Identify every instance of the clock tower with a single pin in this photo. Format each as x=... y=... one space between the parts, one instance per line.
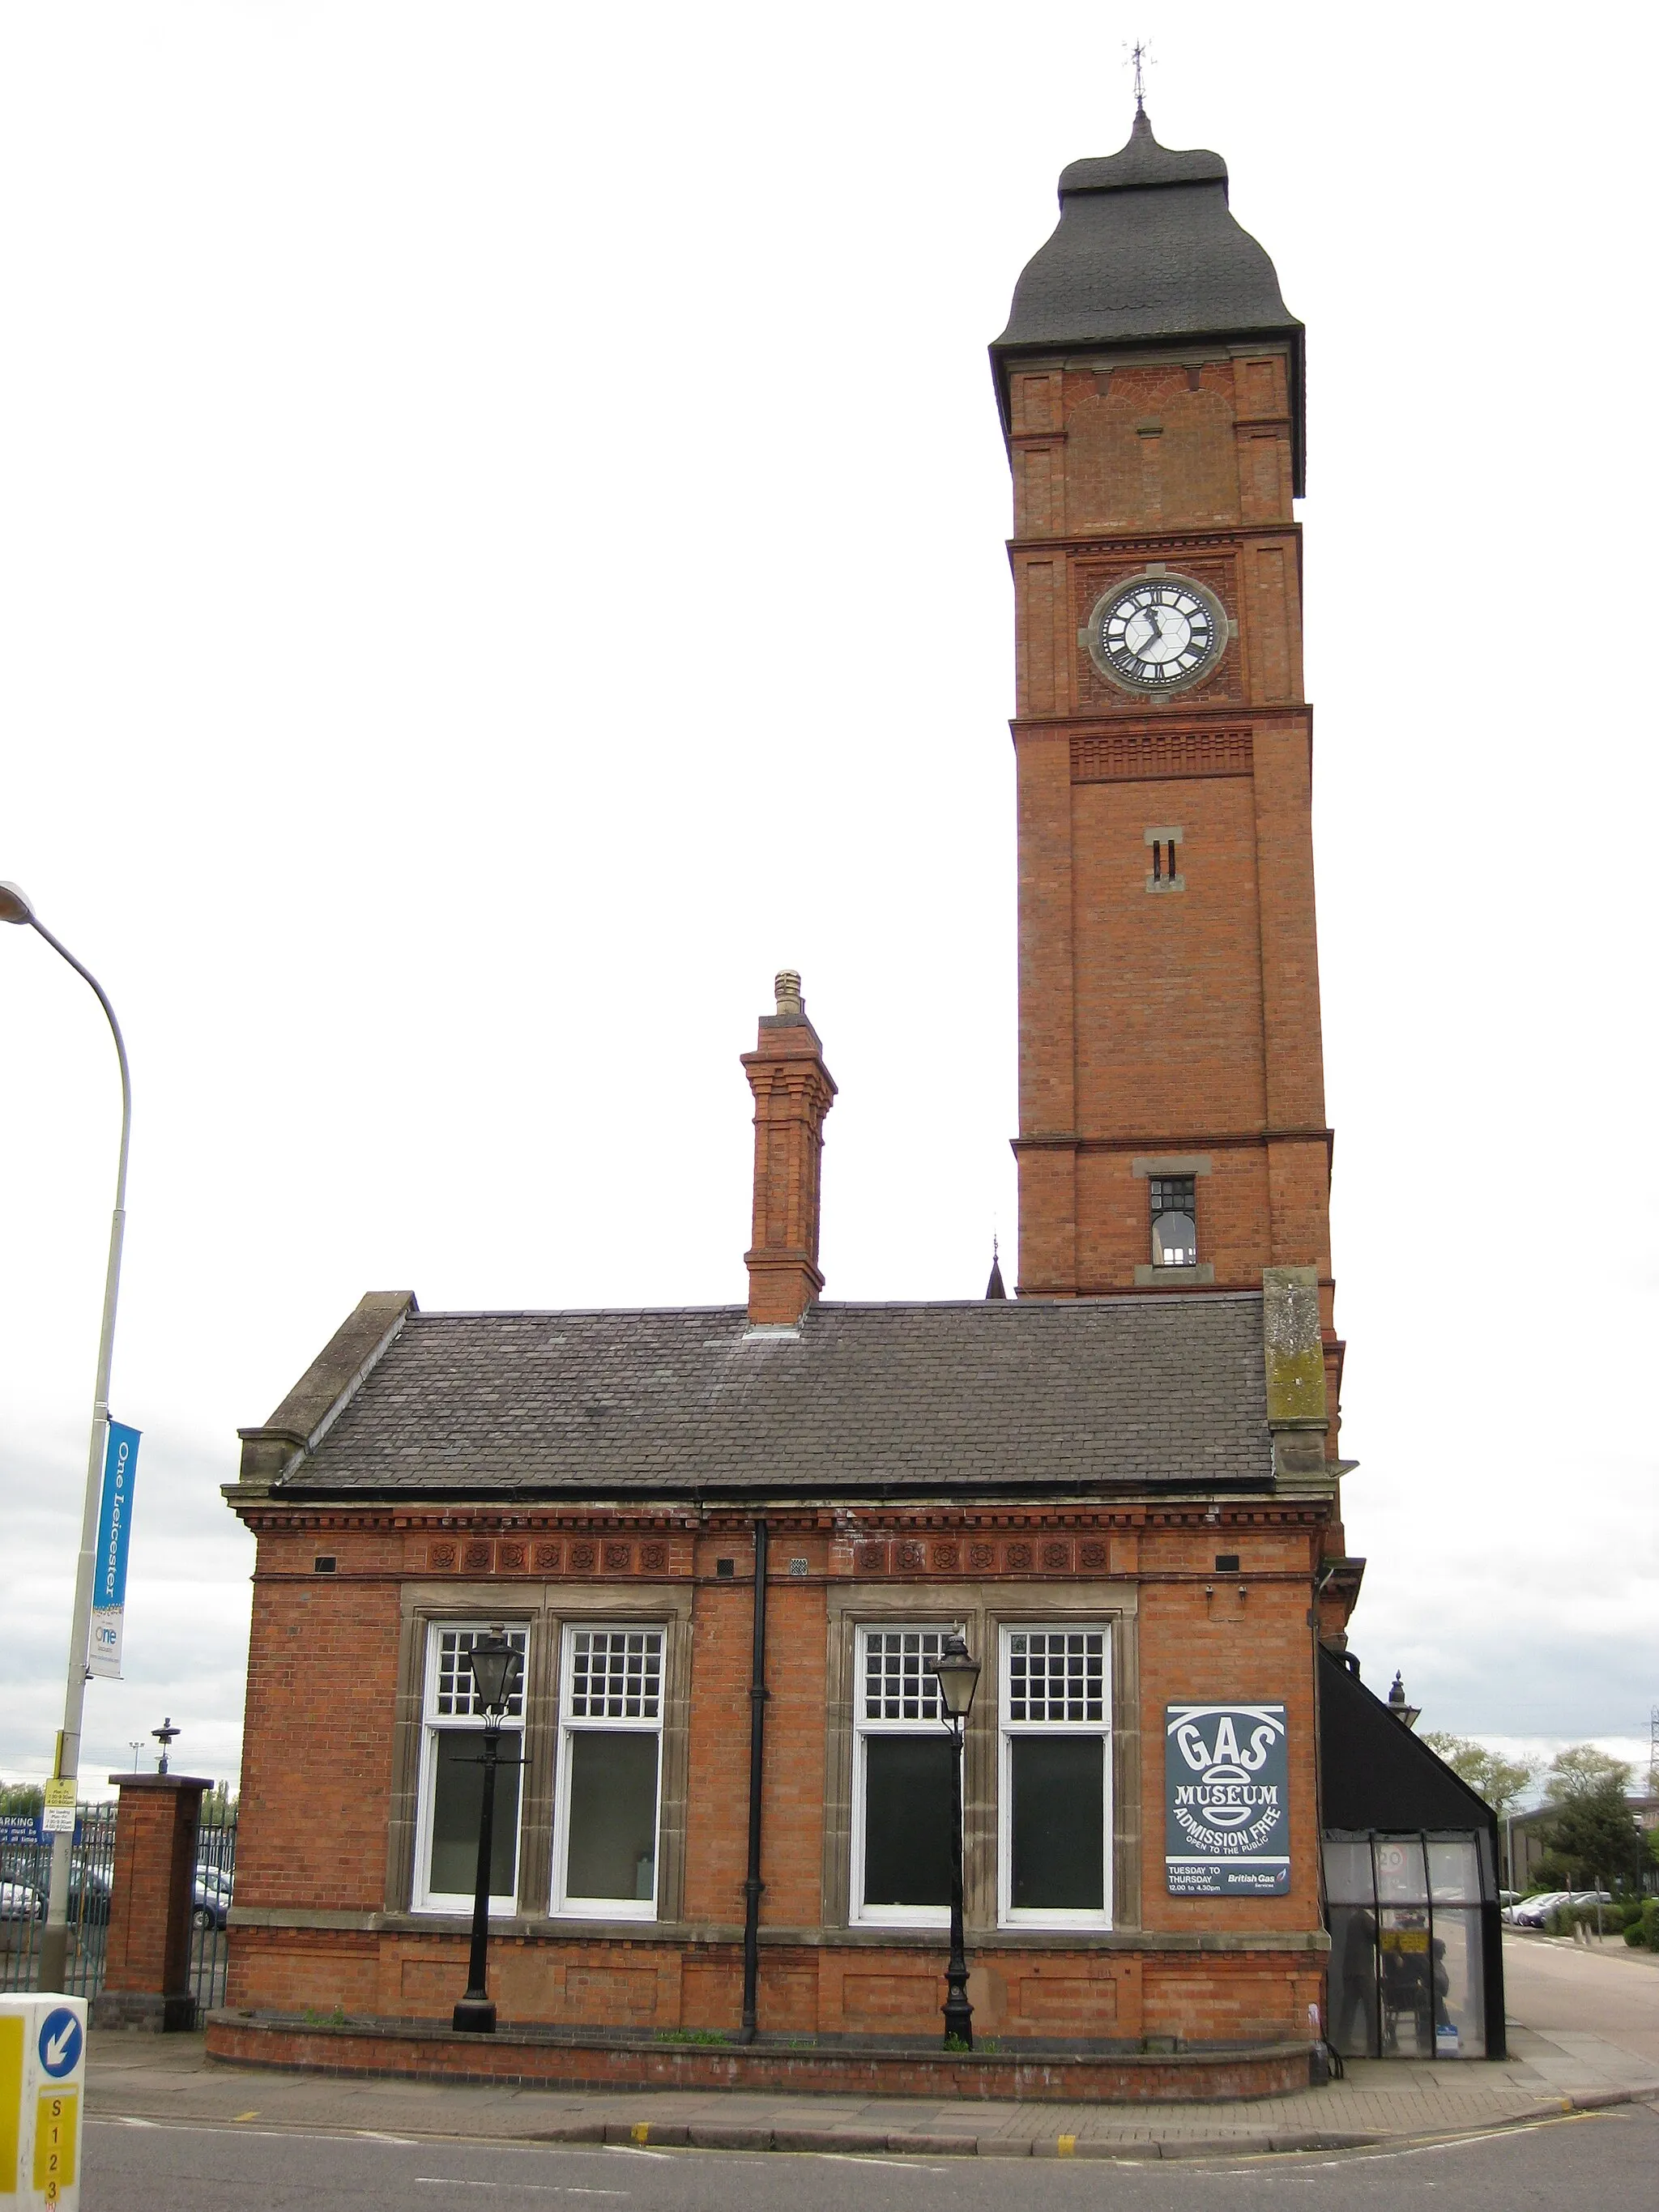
x=1172 y=1132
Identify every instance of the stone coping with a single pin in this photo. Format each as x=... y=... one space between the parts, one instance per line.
x=551 y=2057
x=676 y=1933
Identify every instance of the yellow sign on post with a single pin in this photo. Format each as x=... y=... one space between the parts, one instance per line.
x=11 y=2101
x=57 y=2139
x=57 y=1814
x=43 y=2070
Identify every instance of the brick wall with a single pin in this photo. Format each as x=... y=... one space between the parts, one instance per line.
x=1183 y=1020
x=317 y=1852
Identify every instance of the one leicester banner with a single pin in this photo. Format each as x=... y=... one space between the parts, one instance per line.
x=1226 y=1800
x=109 y=1587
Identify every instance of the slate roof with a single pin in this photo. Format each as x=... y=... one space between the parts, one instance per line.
x=1145 y=252
x=867 y=1399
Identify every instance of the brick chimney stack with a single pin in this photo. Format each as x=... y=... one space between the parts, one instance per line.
x=793 y=1090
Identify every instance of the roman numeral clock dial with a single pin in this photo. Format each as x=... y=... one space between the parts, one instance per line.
x=1157 y=633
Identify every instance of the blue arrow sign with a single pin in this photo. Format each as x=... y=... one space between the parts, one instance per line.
x=60 y=2043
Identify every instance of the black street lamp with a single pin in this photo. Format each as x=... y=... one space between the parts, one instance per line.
x=497 y=1670
x=958 y=1678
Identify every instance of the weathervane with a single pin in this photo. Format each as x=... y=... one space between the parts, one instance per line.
x=1140 y=55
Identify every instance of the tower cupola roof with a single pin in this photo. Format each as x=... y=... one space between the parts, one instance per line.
x=1147 y=254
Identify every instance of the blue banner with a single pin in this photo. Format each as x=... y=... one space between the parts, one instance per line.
x=109 y=1587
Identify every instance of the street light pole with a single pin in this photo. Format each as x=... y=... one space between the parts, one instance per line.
x=14 y=907
x=958 y=1674
x=958 y=2013
x=497 y=1674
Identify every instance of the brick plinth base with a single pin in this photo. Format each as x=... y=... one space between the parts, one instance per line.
x=541 y=2058
x=143 y=2008
x=152 y=1897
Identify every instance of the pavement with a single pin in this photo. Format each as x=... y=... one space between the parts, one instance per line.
x=1584 y=2036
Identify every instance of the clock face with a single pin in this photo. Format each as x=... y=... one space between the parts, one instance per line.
x=1158 y=633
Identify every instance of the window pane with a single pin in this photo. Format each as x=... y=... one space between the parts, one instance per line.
x=616 y=1674
x=1454 y=1963
x=1454 y=1871
x=1401 y=1878
x=1058 y=1824
x=612 y=1849
x=898 y=1683
x=1408 y=1992
x=456 y=1692
x=1348 y=1870
x=907 y=1820
x=1175 y=1240
x=1057 y=1675
x=457 y=1805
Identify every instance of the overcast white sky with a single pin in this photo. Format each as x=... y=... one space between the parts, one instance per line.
x=501 y=520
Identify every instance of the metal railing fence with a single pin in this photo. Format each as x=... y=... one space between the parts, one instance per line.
x=25 y=1874
x=24 y=1877
x=216 y=1872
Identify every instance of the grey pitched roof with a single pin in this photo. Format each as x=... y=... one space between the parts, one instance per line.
x=866 y=1399
x=1147 y=252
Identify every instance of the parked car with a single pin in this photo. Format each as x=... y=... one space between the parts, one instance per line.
x=1529 y=1912
x=20 y=1900
x=88 y=1897
x=212 y=1896
x=1533 y=1911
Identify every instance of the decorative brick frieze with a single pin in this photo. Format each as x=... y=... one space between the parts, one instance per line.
x=1157 y=755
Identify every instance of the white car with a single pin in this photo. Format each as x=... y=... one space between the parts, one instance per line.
x=1532 y=1912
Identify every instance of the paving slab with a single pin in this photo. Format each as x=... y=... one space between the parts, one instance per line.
x=169 y=2080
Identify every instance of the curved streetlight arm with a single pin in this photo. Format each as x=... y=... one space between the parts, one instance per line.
x=54 y=1936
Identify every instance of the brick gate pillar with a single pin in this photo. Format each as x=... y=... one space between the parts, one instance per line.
x=152 y=1903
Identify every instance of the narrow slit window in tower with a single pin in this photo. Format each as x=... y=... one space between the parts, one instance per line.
x=1175 y=1221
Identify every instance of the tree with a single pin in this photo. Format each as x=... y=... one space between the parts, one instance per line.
x=1500 y=1781
x=21 y=1800
x=1594 y=1831
x=1582 y=1770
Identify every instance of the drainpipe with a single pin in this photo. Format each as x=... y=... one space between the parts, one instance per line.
x=752 y=1883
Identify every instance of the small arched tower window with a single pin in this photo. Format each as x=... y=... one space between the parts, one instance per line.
x=1175 y=1221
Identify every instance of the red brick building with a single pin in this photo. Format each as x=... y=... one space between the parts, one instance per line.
x=1122 y=1487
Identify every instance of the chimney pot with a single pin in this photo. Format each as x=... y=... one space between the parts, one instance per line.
x=786 y=988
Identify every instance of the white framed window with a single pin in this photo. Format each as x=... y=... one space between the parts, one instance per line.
x=901 y=1826
x=608 y=1795
x=451 y=1784
x=1054 y=1778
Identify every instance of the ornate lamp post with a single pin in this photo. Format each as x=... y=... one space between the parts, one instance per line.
x=497 y=1670
x=958 y=1678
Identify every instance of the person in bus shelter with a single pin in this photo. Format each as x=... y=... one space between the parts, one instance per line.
x=1405 y=1980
